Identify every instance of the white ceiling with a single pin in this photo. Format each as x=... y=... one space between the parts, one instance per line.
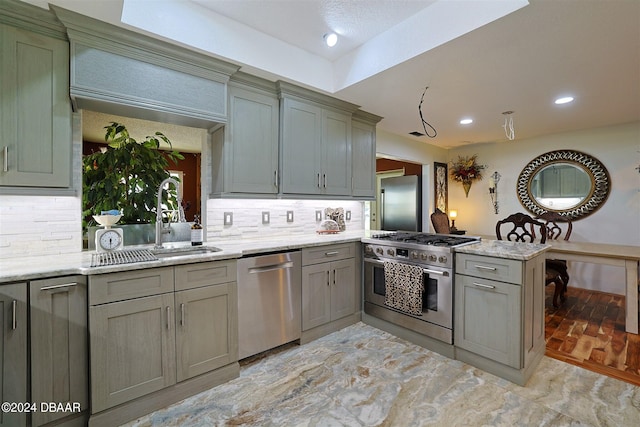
x=389 y=52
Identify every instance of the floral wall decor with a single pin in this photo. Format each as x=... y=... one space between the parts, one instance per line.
x=466 y=170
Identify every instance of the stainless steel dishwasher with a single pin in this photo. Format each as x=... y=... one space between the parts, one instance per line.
x=269 y=301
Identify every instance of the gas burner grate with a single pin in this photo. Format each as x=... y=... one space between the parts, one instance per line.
x=127 y=256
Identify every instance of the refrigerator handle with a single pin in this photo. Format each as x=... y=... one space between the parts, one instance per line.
x=381 y=209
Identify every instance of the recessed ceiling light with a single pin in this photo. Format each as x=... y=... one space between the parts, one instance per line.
x=564 y=100
x=466 y=121
x=331 y=39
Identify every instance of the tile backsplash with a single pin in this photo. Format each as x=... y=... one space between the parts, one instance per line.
x=39 y=225
x=285 y=217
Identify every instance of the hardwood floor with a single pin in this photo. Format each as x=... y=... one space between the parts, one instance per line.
x=588 y=331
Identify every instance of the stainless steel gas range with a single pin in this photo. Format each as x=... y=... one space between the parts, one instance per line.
x=432 y=255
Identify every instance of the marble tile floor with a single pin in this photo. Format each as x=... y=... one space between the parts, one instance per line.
x=361 y=376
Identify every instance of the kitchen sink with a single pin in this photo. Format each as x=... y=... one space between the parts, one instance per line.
x=178 y=251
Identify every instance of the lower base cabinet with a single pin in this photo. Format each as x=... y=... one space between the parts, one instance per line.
x=13 y=351
x=148 y=343
x=329 y=285
x=59 y=360
x=499 y=315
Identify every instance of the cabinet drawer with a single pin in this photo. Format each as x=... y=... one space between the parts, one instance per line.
x=104 y=288
x=328 y=253
x=191 y=276
x=504 y=270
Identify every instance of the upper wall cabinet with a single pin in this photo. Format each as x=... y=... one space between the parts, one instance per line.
x=35 y=118
x=315 y=143
x=363 y=154
x=245 y=151
x=114 y=70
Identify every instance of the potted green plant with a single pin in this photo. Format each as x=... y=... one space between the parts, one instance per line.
x=126 y=177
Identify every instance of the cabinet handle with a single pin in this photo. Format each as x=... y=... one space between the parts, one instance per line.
x=318 y=180
x=482 y=285
x=331 y=253
x=328 y=278
x=5 y=160
x=275 y=178
x=168 y=318
x=484 y=267
x=54 y=287
x=182 y=314
x=324 y=178
x=334 y=277
x=14 y=309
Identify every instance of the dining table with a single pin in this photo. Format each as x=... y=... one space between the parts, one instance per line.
x=623 y=256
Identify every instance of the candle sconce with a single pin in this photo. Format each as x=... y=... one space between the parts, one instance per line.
x=493 y=190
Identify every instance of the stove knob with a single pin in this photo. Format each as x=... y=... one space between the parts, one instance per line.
x=414 y=255
x=433 y=258
x=442 y=259
x=423 y=256
x=368 y=249
x=379 y=251
x=390 y=252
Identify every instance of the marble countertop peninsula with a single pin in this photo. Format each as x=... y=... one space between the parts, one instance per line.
x=504 y=249
x=38 y=267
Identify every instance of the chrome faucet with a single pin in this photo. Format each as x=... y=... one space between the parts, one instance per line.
x=181 y=217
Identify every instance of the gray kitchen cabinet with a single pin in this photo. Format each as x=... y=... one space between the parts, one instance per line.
x=206 y=317
x=160 y=334
x=132 y=349
x=499 y=314
x=59 y=352
x=35 y=118
x=13 y=348
x=328 y=284
x=315 y=143
x=363 y=155
x=245 y=159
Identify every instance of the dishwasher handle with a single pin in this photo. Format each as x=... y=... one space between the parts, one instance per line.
x=273 y=267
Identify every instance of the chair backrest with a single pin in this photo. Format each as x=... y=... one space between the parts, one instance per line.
x=521 y=226
x=440 y=222
x=555 y=224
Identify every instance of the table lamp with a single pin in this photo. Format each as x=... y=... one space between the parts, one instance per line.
x=453 y=214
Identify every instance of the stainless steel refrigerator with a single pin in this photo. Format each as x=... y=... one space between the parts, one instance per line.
x=401 y=203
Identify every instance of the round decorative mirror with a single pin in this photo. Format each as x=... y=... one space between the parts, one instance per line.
x=569 y=182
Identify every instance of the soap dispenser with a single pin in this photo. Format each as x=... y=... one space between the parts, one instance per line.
x=196 y=232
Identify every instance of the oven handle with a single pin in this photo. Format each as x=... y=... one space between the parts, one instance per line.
x=426 y=270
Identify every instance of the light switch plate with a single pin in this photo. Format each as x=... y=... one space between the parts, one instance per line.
x=318 y=215
x=265 y=217
x=289 y=216
x=228 y=218
x=348 y=216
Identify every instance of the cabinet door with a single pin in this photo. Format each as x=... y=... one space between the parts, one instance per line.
x=363 y=152
x=132 y=349
x=252 y=145
x=13 y=350
x=336 y=140
x=206 y=329
x=59 y=365
x=316 y=296
x=343 y=288
x=488 y=319
x=35 y=118
x=301 y=148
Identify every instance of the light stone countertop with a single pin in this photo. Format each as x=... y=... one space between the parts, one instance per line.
x=43 y=266
x=504 y=249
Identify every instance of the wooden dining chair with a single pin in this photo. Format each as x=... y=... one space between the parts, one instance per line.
x=440 y=222
x=522 y=226
x=558 y=226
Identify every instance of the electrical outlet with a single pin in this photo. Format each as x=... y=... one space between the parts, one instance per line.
x=348 y=216
x=289 y=216
x=228 y=218
x=318 y=215
x=265 y=217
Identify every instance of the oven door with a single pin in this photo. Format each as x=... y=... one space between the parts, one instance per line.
x=437 y=297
